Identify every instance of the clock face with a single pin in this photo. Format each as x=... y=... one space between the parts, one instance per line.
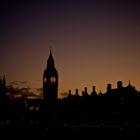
x=53 y=79
x=45 y=80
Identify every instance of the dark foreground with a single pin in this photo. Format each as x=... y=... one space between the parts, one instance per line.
x=43 y=130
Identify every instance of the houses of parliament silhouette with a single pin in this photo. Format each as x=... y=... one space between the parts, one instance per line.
x=115 y=113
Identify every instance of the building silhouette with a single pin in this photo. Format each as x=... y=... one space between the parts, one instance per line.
x=50 y=82
x=115 y=112
x=50 y=92
x=2 y=85
x=2 y=89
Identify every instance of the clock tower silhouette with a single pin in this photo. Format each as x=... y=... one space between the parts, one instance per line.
x=50 y=82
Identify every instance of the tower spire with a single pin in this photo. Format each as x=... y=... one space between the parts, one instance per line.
x=51 y=50
x=4 y=80
x=50 y=56
x=0 y=80
x=50 y=81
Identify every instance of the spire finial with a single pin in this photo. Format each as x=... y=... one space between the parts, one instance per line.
x=4 y=79
x=50 y=56
x=0 y=79
x=50 y=49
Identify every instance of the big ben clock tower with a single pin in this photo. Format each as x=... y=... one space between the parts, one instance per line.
x=50 y=82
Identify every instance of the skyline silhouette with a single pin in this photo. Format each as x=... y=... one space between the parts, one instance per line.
x=18 y=88
x=17 y=91
x=114 y=113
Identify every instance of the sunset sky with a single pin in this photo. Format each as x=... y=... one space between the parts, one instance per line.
x=93 y=42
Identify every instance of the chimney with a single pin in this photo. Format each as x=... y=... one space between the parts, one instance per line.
x=109 y=87
x=93 y=88
x=76 y=91
x=69 y=92
x=119 y=84
x=85 y=89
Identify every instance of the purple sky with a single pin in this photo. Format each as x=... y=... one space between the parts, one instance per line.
x=93 y=42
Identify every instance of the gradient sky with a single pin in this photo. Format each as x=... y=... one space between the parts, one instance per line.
x=93 y=42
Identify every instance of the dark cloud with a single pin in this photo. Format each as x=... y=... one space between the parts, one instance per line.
x=39 y=89
x=14 y=83
x=15 y=91
x=18 y=83
x=23 y=82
